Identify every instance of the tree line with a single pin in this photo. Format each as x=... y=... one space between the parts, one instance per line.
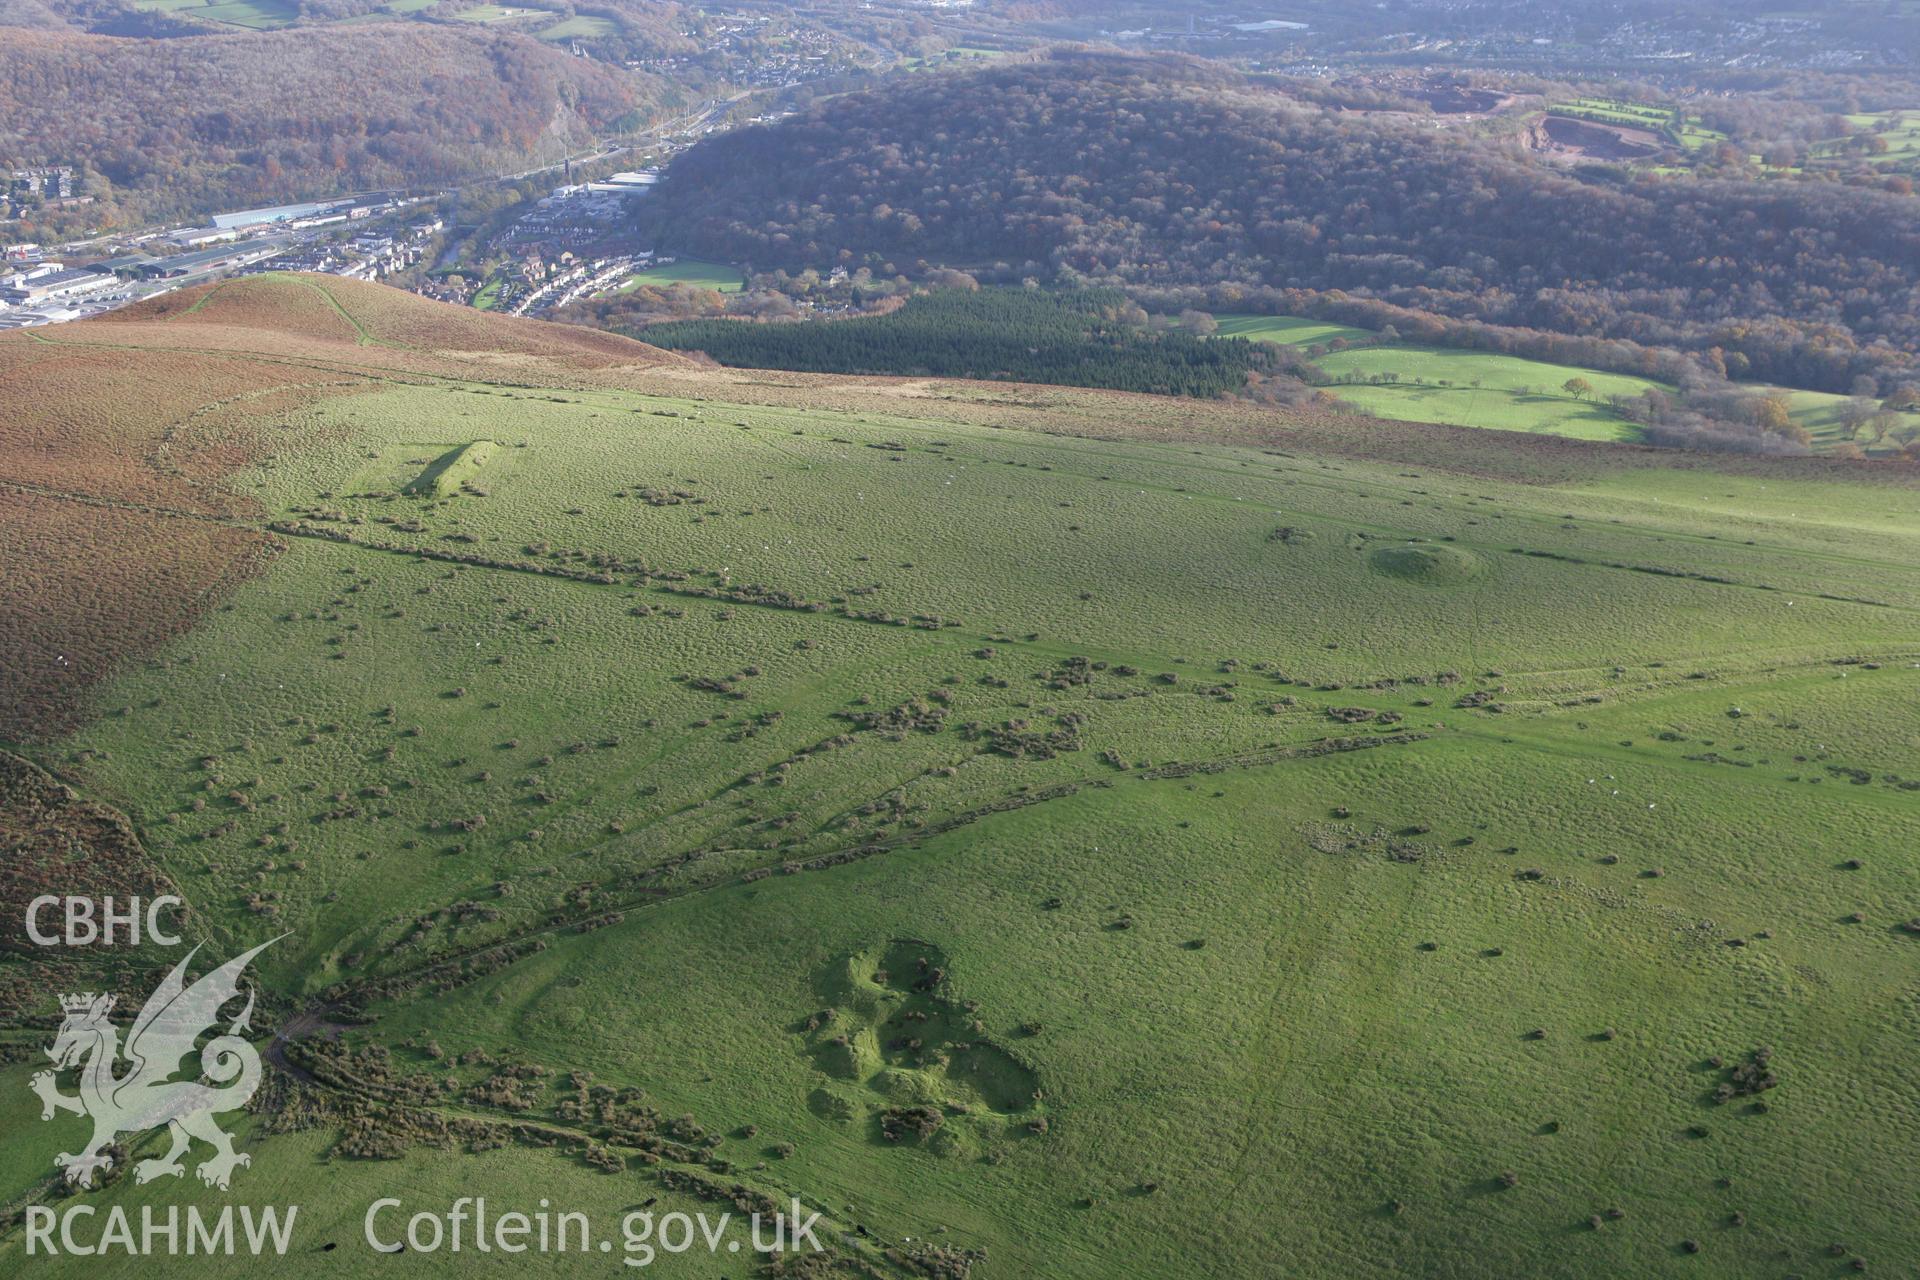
x=1091 y=338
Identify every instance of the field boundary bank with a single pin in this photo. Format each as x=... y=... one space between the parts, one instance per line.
x=388 y=986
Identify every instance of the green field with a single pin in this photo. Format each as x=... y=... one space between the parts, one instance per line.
x=703 y=275
x=1042 y=847
x=1453 y=387
x=255 y=15
x=1901 y=131
x=958 y=56
x=490 y=13
x=1481 y=389
x=1293 y=331
x=1820 y=412
x=1677 y=126
x=1510 y=393
x=487 y=297
x=1902 y=136
x=582 y=26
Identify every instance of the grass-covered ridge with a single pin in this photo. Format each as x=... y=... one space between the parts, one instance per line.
x=1085 y=856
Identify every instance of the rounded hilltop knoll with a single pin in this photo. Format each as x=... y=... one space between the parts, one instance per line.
x=311 y=312
x=1431 y=564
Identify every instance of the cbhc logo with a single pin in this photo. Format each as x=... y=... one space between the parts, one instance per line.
x=83 y=922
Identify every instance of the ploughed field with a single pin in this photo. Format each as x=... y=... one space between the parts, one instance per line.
x=1054 y=833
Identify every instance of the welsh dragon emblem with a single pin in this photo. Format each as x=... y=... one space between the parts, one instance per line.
x=144 y=1096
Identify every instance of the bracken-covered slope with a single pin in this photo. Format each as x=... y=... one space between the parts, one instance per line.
x=310 y=315
x=1055 y=833
x=137 y=420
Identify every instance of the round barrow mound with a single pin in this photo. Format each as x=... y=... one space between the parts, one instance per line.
x=1427 y=563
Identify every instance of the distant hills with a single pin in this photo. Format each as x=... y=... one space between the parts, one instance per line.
x=173 y=128
x=1164 y=172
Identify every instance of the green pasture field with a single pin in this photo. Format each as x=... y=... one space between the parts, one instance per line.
x=1820 y=412
x=1293 y=331
x=1634 y=113
x=1454 y=387
x=255 y=15
x=1692 y=134
x=580 y=26
x=691 y=271
x=490 y=13
x=1483 y=389
x=1903 y=138
x=958 y=55
x=258 y=15
x=487 y=297
x=1510 y=393
x=1246 y=860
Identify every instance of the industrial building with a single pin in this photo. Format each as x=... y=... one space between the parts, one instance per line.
x=243 y=218
x=32 y=289
x=215 y=259
x=201 y=237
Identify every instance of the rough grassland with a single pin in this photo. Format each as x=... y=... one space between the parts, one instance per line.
x=86 y=586
x=142 y=417
x=1277 y=847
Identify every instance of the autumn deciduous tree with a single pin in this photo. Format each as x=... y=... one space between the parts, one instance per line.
x=1773 y=413
x=1199 y=323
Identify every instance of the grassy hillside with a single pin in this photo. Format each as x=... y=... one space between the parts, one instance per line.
x=1056 y=833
